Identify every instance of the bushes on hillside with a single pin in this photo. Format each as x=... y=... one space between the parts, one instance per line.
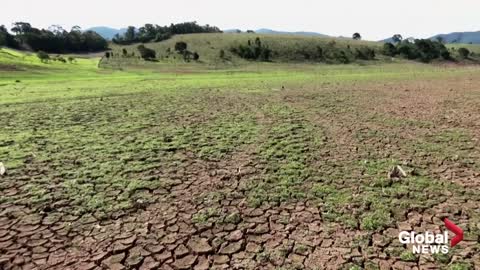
x=364 y=53
x=253 y=51
x=329 y=53
x=424 y=50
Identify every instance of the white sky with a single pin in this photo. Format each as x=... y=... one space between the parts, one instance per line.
x=374 y=19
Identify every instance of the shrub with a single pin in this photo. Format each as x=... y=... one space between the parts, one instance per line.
x=43 y=56
x=407 y=50
x=181 y=46
x=463 y=52
x=342 y=57
x=60 y=59
x=146 y=53
x=389 y=49
x=365 y=53
x=196 y=56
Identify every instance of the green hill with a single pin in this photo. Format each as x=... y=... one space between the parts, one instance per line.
x=475 y=48
x=285 y=48
x=14 y=60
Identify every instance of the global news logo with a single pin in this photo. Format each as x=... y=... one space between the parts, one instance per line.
x=432 y=243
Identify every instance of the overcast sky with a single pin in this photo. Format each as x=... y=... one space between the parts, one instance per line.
x=374 y=19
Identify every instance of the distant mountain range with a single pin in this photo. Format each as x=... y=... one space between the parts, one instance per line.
x=456 y=37
x=274 y=32
x=107 y=32
x=460 y=37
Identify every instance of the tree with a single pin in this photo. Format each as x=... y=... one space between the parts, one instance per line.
x=6 y=39
x=397 y=38
x=21 y=28
x=463 y=52
x=181 y=46
x=356 y=36
x=130 y=34
x=94 y=42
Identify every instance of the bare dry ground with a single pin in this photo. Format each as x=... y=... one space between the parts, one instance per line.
x=283 y=179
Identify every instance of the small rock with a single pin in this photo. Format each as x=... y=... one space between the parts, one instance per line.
x=203 y=264
x=220 y=259
x=181 y=251
x=231 y=248
x=235 y=235
x=86 y=266
x=114 y=261
x=149 y=263
x=185 y=262
x=253 y=247
x=397 y=172
x=200 y=245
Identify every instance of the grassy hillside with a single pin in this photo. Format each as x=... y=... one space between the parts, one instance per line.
x=208 y=46
x=14 y=60
x=475 y=48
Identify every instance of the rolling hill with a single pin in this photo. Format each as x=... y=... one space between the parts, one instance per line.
x=286 y=48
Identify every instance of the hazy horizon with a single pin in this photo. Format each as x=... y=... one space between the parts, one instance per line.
x=373 y=19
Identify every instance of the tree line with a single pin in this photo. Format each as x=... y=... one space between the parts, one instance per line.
x=55 y=39
x=155 y=33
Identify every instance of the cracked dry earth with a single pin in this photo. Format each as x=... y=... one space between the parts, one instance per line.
x=212 y=215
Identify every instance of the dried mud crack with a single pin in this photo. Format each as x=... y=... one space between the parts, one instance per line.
x=291 y=179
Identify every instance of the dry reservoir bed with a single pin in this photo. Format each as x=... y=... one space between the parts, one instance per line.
x=292 y=178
